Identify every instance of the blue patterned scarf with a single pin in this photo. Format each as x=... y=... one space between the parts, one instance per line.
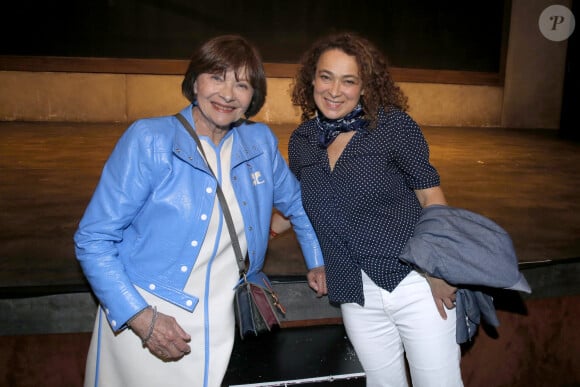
x=330 y=129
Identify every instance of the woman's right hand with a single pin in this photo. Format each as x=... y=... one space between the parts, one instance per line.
x=168 y=341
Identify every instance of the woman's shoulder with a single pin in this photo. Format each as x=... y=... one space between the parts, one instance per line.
x=153 y=132
x=394 y=116
x=305 y=129
x=251 y=134
x=257 y=126
x=395 y=122
x=255 y=129
x=163 y=125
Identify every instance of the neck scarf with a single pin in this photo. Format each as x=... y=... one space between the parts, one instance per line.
x=330 y=129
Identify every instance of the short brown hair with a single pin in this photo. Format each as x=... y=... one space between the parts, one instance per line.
x=223 y=53
x=379 y=88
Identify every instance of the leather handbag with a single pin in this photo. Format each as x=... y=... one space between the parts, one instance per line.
x=257 y=307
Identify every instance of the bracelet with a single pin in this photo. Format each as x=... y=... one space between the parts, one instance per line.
x=273 y=234
x=151 y=326
x=136 y=315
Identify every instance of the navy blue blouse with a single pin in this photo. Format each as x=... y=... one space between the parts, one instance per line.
x=364 y=211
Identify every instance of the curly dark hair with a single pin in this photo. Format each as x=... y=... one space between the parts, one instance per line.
x=379 y=88
x=221 y=54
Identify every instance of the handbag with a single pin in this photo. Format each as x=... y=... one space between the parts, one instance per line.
x=257 y=307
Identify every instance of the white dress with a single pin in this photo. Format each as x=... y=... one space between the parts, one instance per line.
x=120 y=358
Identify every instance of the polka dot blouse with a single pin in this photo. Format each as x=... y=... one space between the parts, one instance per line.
x=365 y=209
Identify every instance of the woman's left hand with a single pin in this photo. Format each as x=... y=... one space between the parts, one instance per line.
x=317 y=280
x=443 y=294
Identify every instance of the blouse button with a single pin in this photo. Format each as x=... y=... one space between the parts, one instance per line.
x=114 y=323
x=203 y=217
x=209 y=190
x=194 y=243
x=189 y=303
x=183 y=269
x=152 y=286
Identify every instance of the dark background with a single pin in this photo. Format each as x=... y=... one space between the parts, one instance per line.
x=450 y=35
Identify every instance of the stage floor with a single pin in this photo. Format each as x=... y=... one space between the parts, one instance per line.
x=528 y=181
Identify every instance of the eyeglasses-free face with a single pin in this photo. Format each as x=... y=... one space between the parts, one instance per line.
x=221 y=98
x=337 y=84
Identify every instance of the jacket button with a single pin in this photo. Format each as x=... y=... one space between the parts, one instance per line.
x=189 y=303
x=152 y=286
x=209 y=190
x=203 y=217
x=194 y=243
x=183 y=269
x=113 y=323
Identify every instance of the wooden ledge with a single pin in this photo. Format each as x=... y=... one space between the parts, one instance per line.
x=179 y=66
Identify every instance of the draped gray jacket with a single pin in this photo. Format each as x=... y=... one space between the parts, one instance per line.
x=468 y=251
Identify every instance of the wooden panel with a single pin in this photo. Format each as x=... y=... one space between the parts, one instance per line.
x=178 y=67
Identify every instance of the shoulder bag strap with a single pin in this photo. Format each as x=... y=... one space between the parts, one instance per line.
x=226 y=210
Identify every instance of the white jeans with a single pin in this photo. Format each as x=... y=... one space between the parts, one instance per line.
x=403 y=321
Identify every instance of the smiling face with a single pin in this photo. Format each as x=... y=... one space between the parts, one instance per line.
x=222 y=99
x=337 y=84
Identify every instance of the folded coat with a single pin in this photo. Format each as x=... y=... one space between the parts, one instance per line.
x=467 y=250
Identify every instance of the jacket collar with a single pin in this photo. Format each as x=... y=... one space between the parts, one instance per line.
x=185 y=147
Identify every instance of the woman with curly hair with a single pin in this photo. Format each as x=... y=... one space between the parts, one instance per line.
x=363 y=165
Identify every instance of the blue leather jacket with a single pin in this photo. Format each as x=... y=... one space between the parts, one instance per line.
x=150 y=211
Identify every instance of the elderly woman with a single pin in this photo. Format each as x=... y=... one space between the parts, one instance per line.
x=153 y=242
